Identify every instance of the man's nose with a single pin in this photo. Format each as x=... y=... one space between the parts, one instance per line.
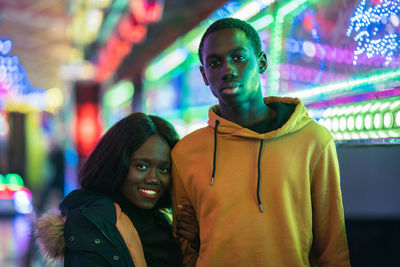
x=228 y=71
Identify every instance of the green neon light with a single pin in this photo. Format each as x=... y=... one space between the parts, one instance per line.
x=117 y=8
x=315 y=92
x=191 y=41
x=14 y=181
x=120 y=94
x=2 y=182
x=346 y=85
x=262 y=22
x=276 y=44
x=170 y=59
x=365 y=120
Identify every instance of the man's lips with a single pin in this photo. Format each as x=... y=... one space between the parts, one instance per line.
x=230 y=88
x=229 y=91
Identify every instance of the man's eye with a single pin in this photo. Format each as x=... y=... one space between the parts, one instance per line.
x=141 y=167
x=164 y=170
x=239 y=58
x=212 y=64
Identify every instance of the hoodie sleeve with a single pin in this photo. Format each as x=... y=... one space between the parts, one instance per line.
x=330 y=242
x=180 y=197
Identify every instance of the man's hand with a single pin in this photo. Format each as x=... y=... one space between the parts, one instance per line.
x=187 y=226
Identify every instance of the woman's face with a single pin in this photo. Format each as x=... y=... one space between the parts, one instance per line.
x=149 y=173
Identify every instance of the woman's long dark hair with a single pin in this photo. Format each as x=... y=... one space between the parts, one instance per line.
x=106 y=168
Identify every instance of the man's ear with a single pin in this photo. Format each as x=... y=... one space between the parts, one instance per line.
x=204 y=75
x=262 y=62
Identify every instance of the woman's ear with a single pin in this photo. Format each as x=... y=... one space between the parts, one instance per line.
x=262 y=62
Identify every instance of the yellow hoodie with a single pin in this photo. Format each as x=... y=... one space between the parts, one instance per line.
x=275 y=198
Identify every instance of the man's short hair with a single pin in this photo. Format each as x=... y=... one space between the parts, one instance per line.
x=232 y=23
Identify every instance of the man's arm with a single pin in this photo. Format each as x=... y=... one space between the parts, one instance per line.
x=181 y=198
x=329 y=235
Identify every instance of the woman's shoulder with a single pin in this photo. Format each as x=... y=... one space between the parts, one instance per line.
x=91 y=227
x=86 y=210
x=83 y=198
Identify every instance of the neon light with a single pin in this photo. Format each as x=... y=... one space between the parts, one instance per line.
x=14 y=180
x=397 y=120
x=54 y=98
x=388 y=120
x=312 y=93
x=2 y=182
x=378 y=121
x=5 y=46
x=117 y=8
x=4 y=127
x=247 y=11
x=147 y=11
x=262 y=22
x=119 y=94
x=23 y=201
x=342 y=123
x=345 y=86
x=369 y=26
x=167 y=62
x=276 y=42
x=131 y=31
x=343 y=56
x=357 y=98
x=350 y=123
x=366 y=120
x=307 y=75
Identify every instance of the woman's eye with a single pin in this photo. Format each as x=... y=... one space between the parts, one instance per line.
x=164 y=170
x=141 y=167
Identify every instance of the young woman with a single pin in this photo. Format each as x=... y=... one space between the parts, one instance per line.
x=120 y=216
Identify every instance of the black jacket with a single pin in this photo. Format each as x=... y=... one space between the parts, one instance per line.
x=85 y=233
x=90 y=234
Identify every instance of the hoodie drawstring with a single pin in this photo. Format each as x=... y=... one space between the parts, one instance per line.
x=258 y=164
x=215 y=151
x=259 y=176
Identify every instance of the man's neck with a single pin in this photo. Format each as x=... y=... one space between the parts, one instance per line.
x=248 y=113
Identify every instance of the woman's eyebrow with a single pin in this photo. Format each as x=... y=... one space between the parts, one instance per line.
x=149 y=160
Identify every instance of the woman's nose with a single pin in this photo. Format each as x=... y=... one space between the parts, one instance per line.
x=152 y=176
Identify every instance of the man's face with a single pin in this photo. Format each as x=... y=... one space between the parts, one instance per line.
x=231 y=67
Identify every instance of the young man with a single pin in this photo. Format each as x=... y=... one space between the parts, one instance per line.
x=263 y=177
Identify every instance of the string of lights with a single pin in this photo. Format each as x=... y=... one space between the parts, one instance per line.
x=374 y=27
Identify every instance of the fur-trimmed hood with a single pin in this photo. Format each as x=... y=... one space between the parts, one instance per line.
x=49 y=228
x=49 y=233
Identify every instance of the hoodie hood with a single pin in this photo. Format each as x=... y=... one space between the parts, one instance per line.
x=297 y=120
x=289 y=122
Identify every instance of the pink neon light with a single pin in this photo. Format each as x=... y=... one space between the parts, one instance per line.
x=345 y=56
x=146 y=12
x=8 y=193
x=306 y=75
x=356 y=98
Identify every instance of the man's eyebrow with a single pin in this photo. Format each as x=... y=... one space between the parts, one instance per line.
x=212 y=56
x=240 y=49
x=236 y=50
